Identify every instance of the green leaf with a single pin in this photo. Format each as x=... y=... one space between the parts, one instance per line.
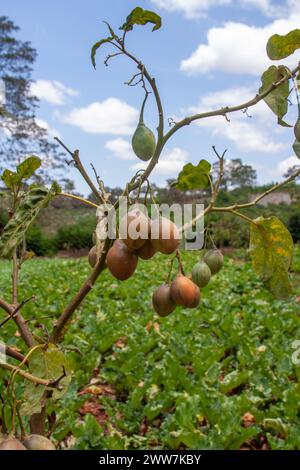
x=234 y=380
x=275 y=424
x=277 y=100
x=10 y=179
x=296 y=148
x=271 y=249
x=142 y=17
x=279 y=47
x=28 y=208
x=46 y=364
x=194 y=177
x=28 y=167
x=96 y=47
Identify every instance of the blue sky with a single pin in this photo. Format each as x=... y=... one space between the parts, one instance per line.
x=209 y=53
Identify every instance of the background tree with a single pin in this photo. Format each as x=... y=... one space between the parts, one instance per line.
x=236 y=174
x=20 y=134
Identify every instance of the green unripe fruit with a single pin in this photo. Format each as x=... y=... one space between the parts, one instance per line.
x=11 y=443
x=297 y=130
x=37 y=442
x=201 y=274
x=214 y=260
x=143 y=140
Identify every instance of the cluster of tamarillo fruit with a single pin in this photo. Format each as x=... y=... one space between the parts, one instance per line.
x=185 y=290
x=163 y=236
x=160 y=235
x=32 y=442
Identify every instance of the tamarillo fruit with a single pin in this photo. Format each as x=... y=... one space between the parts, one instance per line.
x=121 y=261
x=165 y=235
x=184 y=292
x=92 y=256
x=11 y=443
x=146 y=251
x=37 y=442
x=201 y=274
x=133 y=221
x=162 y=301
x=297 y=130
x=214 y=260
x=143 y=140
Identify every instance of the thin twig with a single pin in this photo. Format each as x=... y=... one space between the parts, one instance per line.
x=16 y=310
x=224 y=111
x=80 y=168
x=78 y=198
x=26 y=375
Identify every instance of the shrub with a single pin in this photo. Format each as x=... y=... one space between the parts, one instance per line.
x=76 y=236
x=39 y=243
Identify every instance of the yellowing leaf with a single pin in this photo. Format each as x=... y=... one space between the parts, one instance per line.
x=271 y=249
x=279 y=47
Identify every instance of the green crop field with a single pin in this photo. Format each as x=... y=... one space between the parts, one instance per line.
x=217 y=377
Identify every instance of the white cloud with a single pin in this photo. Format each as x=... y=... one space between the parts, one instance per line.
x=121 y=148
x=170 y=163
x=111 y=116
x=190 y=8
x=248 y=134
x=44 y=125
x=52 y=91
x=284 y=165
x=196 y=8
x=267 y=7
x=237 y=48
x=275 y=172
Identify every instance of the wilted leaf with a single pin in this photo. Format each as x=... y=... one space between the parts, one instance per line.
x=277 y=100
x=29 y=206
x=194 y=177
x=142 y=17
x=279 y=47
x=271 y=249
x=28 y=167
x=96 y=47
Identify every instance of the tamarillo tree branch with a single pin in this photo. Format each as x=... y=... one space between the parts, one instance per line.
x=234 y=208
x=15 y=276
x=81 y=294
x=224 y=111
x=19 y=321
x=5 y=306
x=27 y=375
x=78 y=198
x=277 y=186
x=131 y=186
x=78 y=164
x=15 y=311
x=9 y=351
